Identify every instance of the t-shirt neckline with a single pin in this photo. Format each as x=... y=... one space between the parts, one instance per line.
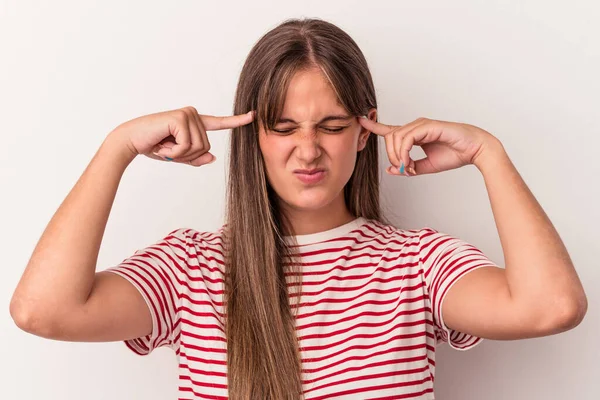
x=328 y=234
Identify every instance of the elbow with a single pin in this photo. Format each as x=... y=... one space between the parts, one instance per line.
x=27 y=319
x=576 y=311
x=21 y=316
x=567 y=313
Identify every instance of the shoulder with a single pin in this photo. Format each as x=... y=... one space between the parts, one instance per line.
x=197 y=253
x=195 y=234
x=424 y=240
x=385 y=231
x=190 y=237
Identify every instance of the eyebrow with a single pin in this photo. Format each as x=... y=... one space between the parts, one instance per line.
x=327 y=118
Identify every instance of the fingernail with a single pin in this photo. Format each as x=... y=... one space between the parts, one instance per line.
x=213 y=160
x=168 y=158
x=402 y=168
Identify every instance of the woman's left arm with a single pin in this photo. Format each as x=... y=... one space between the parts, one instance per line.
x=538 y=293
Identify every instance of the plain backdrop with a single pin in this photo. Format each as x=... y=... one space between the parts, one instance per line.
x=71 y=71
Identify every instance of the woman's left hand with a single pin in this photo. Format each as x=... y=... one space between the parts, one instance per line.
x=448 y=145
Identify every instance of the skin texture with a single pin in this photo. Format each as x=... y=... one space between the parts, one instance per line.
x=81 y=304
x=538 y=292
x=310 y=144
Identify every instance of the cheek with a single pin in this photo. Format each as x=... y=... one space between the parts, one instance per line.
x=344 y=150
x=274 y=152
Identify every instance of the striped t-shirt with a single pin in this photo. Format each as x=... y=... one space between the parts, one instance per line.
x=369 y=318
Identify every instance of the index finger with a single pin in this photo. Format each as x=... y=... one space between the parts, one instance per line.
x=375 y=127
x=212 y=123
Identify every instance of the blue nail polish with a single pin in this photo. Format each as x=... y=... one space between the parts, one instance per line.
x=402 y=168
x=169 y=158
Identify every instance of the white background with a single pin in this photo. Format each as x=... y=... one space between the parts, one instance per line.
x=71 y=71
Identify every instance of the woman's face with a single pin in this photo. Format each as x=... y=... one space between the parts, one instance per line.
x=314 y=133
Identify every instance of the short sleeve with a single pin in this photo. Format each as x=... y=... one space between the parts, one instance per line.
x=444 y=260
x=157 y=272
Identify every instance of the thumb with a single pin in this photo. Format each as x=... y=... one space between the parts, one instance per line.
x=424 y=166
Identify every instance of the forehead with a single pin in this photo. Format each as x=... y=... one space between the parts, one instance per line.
x=310 y=95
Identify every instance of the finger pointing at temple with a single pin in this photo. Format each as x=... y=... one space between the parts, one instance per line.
x=375 y=127
x=212 y=123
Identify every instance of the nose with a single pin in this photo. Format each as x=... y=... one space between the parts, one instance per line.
x=308 y=147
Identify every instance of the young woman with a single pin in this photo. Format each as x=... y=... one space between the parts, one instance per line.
x=305 y=291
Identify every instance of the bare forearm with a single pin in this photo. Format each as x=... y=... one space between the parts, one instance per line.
x=61 y=270
x=539 y=270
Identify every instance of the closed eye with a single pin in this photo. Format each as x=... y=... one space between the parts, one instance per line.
x=335 y=129
x=324 y=128
x=282 y=131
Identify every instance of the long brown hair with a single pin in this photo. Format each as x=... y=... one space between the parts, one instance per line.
x=263 y=358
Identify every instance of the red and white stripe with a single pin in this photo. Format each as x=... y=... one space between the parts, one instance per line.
x=369 y=316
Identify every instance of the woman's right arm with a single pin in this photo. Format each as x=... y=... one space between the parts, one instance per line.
x=60 y=296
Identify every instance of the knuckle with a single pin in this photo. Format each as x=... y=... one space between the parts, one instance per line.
x=180 y=115
x=191 y=109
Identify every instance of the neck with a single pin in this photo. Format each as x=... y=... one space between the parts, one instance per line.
x=306 y=222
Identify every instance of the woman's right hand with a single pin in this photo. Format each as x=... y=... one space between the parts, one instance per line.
x=179 y=135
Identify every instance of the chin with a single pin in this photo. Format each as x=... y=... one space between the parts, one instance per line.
x=312 y=201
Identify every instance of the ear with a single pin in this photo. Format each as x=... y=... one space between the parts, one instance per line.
x=364 y=133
